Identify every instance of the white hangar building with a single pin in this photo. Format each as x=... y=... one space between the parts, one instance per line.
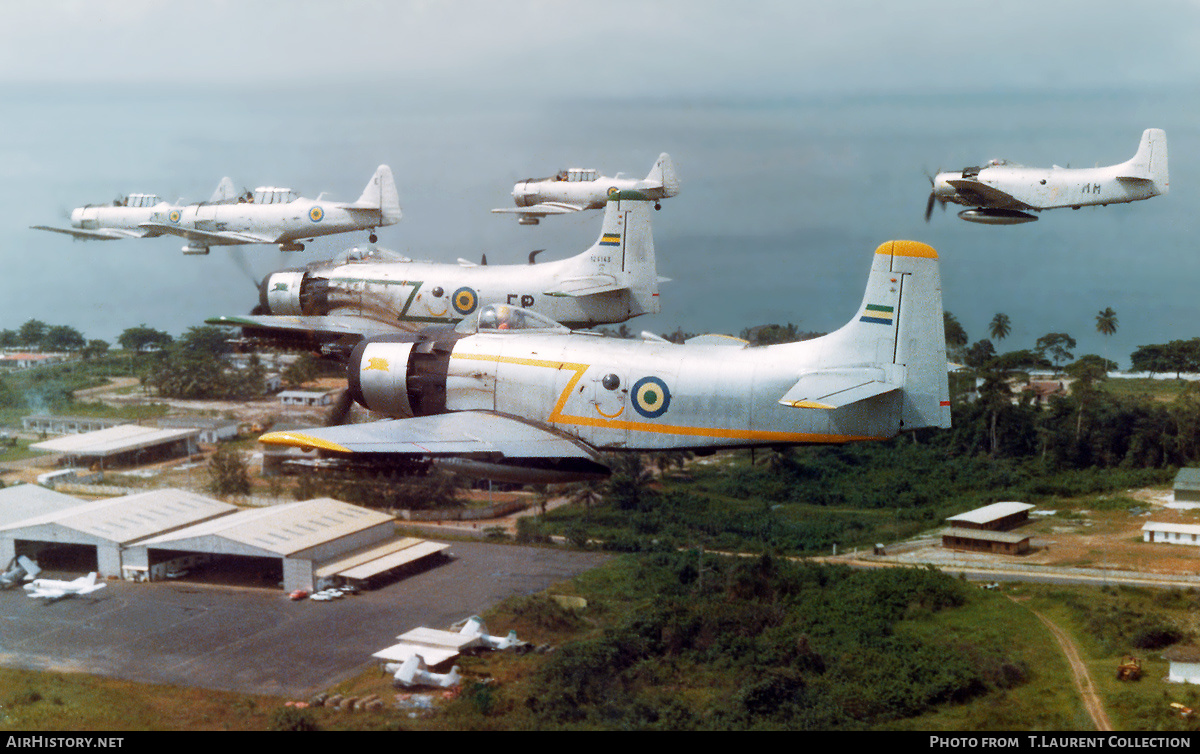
x=298 y=536
x=101 y=532
x=161 y=533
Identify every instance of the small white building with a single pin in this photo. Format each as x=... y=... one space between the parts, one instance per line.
x=1185 y=664
x=1175 y=534
x=306 y=397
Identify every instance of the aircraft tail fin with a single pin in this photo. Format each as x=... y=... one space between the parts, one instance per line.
x=663 y=174
x=225 y=192
x=623 y=256
x=380 y=193
x=1150 y=162
x=896 y=341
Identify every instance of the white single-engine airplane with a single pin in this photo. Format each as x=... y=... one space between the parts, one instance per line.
x=376 y=292
x=512 y=396
x=279 y=216
x=1003 y=193
x=577 y=189
x=125 y=216
x=50 y=589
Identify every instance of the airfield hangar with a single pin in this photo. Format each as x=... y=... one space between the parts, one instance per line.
x=167 y=532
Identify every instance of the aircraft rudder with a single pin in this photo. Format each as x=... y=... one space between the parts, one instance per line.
x=664 y=174
x=381 y=192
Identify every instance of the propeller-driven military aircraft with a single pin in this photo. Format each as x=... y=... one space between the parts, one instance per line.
x=577 y=189
x=512 y=396
x=1003 y=193
x=51 y=589
x=279 y=216
x=126 y=215
x=375 y=292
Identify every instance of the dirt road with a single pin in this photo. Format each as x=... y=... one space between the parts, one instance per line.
x=1083 y=680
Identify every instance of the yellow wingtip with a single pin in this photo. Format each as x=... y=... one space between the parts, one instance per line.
x=907 y=249
x=301 y=440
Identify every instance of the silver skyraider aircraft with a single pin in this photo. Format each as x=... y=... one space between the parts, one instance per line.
x=376 y=292
x=513 y=396
x=1002 y=191
x=279 y=216
x=126 y=215
x=577 y=189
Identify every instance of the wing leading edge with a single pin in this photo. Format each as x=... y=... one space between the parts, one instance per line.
x=460 y=433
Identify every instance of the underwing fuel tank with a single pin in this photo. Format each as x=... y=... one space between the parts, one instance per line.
x=996 y=216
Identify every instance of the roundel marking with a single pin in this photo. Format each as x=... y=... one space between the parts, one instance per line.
x=464 y=300
x=316 y=214
x=612 y=190
x=174 y=216
x=651 y=398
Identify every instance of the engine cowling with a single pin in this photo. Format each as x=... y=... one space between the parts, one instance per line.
x=402 y=375
x=295 y=292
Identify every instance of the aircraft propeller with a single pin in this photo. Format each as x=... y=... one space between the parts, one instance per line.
x=933 y=197
x=339 y=413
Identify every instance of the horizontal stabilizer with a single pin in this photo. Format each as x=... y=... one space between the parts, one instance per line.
x=587 y=286
x=834 y=388
x=454 y=434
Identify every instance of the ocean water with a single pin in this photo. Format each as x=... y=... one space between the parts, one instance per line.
x=782 y=200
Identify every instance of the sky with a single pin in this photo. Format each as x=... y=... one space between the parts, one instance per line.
x=462 y=98
x=688 y=47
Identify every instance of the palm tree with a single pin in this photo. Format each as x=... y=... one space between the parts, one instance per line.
x=1106 y=325
x=1000 y=326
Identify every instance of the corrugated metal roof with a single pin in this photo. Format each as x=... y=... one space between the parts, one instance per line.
x=285 y=529
x=1188 y=478
x=132 y=517
x=991 y=512
x=394 y=560
x=985 y=535
x=23 y=501
x=114 y=440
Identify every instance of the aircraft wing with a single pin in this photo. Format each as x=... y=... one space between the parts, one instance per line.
x=459 y=433
x=100 y=234
x=330 y=326
x=834 y=388
x=209 y=238
x=49 y=594
x=543 y=209
x=989 y=196
x=586 y=286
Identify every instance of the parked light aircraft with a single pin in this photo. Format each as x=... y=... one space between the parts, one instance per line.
x=1000 y=192
x=476 y=627
x=20 y=569
x=51 y=589
x=414 y=672
x=125 y=216
x=375 y=292
x=279 y=216
x=538 y=403
x=577 y=189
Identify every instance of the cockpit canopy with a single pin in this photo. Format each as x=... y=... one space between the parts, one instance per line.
x=369 y=255
x=577 y=175
x=273 y=195
x=138 y=200
x=505 y=318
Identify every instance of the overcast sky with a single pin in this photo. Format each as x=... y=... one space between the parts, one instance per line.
x=682 y=46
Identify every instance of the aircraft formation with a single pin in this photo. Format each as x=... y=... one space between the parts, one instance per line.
x=267 y=215
x=482 y=369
